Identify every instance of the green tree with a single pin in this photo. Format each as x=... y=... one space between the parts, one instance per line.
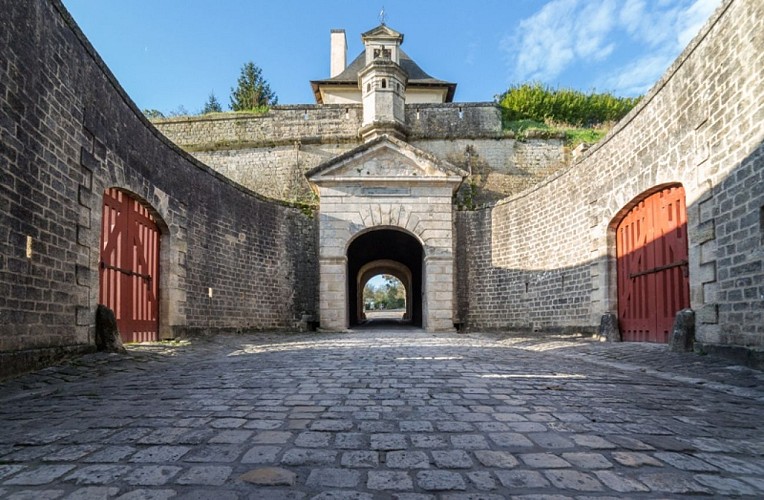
x=153 y=113
x=212 y=105
x=252 y=91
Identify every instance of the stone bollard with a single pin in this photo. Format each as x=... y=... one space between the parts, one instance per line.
x=683 y=332
x=107 y=334
x=609 y=328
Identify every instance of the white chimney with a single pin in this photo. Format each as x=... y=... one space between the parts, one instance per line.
x=339 y=54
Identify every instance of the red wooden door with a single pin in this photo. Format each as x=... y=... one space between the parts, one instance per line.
x=129 y=268
x=651 y=248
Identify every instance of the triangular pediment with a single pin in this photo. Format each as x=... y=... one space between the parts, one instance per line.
x=385 y=159
x=383 y=31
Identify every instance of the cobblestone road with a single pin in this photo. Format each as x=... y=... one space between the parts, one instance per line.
x=384 y=414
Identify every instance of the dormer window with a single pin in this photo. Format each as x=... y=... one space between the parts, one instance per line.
x=383 y=52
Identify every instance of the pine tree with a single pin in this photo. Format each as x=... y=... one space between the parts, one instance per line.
x=252 y=91
x=212 y=105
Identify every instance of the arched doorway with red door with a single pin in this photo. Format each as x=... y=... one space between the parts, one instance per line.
x=652 y=264
x=129 y=265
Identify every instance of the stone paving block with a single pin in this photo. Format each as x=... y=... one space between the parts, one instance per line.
x=730 y=464
x=474 y=496
x=388 y=441
x=342 y=495
x=159 y=454
x=428 y=441
x=208 y=475
x=592 y=441
x=619 y=482
x=213 y=453
x=526 y=427
x=271 y=437
x=350 y=440
x=483 y=480
x=522 y=479
x=231 y=437
x=143 y=494
x=165 y=435
x=207 y=494
x=451 y=426
x=635 y=459
x=587 y=460
x=452 y=459
x=98 y=474
x=550 y=440
x=308 y=456
x=38 y=475
x=197 y=436
x=510 y=440
x=543 y=461
x=499 y=459
x=9 y=470
x=110 y=454
x=415 y=426
x=93 y=493
x=669 y=482
x=331 y=425
x=36 y=495
x=412 y=496
x=360 y=458
x=377 y=426
x=407 y=460
x=335 y=478
x=469 y=441
x=264 y=425
x=389 y=480
x=151 y=475
x=684 y=462
x=227 y=423
x=261 y=455
x=629 y=443
x=573 y=480
x=70 y=453
x=313 y=439
x=440 y=480
x=725 y=485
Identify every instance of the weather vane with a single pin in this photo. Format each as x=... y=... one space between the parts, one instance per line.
x=382 y=15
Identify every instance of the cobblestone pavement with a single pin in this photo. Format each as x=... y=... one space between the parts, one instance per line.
x=389 y=413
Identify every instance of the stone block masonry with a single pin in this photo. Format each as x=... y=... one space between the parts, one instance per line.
x=270 y=153
x=69 y=132
x=545 y=257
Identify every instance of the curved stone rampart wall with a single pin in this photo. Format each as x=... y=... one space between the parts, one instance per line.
x=544 y=258
x=69 y=132
x=270 y=152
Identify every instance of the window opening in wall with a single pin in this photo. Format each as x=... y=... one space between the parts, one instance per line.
x=461 y=113
x=305 y=115
x=384 y=83
x=368 y=87
x=347 y=113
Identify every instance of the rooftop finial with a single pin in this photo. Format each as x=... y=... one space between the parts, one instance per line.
x=382 y=16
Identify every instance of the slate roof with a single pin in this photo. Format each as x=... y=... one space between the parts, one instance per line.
x=416 y=75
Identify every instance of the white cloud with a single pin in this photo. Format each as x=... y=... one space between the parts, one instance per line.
x=638 y=76
x=564 y=33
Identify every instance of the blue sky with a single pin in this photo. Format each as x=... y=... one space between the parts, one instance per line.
x=172 y=53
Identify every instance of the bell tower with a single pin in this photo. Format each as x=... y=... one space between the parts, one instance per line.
x=383 y=85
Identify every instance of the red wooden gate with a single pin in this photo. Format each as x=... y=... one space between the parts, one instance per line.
x=129 y=268
x=651 y=247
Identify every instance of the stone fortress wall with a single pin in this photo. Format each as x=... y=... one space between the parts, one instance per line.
x=69 y=132
x=544 y=259
x=270 y=152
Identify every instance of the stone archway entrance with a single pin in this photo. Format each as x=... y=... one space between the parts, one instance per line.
x=386 y=201
x=387 y=251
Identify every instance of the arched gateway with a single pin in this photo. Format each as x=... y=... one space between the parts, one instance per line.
x=386 y=200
